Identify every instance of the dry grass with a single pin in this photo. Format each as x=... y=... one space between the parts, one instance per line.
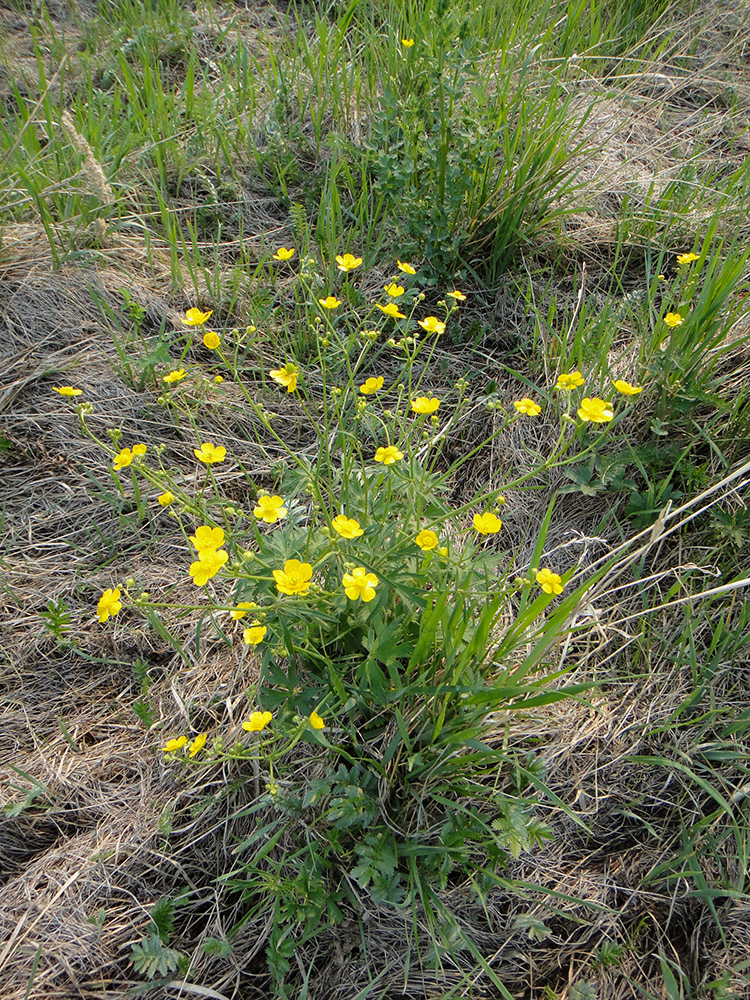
x=110 y=828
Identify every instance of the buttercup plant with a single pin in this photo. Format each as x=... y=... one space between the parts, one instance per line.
x=372 y=635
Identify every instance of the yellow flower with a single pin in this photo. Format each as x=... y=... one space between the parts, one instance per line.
x=551 y=583
x=218 y=379
x=527 y=406
x=330 y=302
x=394 y=290
x=283 y=254
x=316 y=722
x=109 y=604
x=175 y=744
x=207 y=539
x=211 y=340
x=432 y=325
x=626 y=388
x=686 y=258
x=407 y=42
x=348 y=262
x=257 y=722
x=138 y=450
x=209 y=454
x=596 y=410
x=207 y=565
x=391 y=310
x=197 y=745
x=270 y=509
x=487 y=523
x=426 y=540
x=294 y=578
x=194 y=317
x=425 y=404
x=388 y=455
x=371 y=385
x=287 y=376
x=123 y=459
x=406 y=268
x=254 y=635
x=570 y=381
x=359 y=583
x=166 y=498
x=458 y=296
x=175 y=376
x=674 y=319
x=347 y=527
x=67 y=390
x=242 y=609
x=443 y=551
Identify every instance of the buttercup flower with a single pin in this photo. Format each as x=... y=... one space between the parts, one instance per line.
x=283 y=254
x=123 y=459
x=197 y=745
x=405 y=267
x=207 y=565
x=175 y=376
x=443 y=551
x=257 y=722
x=330 y=302
x=175 y=744
x=270 y=509
x=359 y=584
x=209 y=453
x=316 y=722
x=686 y=258
x=596 y=410
x=570 y=381
x=348 y=262
x=347 y=527
x=674 y=319
x=394 y=290
x=207 y=539
x=626 y=388
x=432 y=325
x=211 y=340
x=194 y=317
x=138 y=450
x=527 y=406
x=218 y=379
x=426 y=540
x=371 y=385
x=458 y=296
x=551 y=583
x=294 y=578
x=67 y=390
x=166 y=498
x=391 y=310
x=425 y=404
x=255 y=634
x=388 y=455
x=287 y=376
x=487 y=523
x=109 y=604
x=407 y=42
x=242 y=609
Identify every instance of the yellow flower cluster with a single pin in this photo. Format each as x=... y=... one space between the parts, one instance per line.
x=124 y=458
x=211 y=557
